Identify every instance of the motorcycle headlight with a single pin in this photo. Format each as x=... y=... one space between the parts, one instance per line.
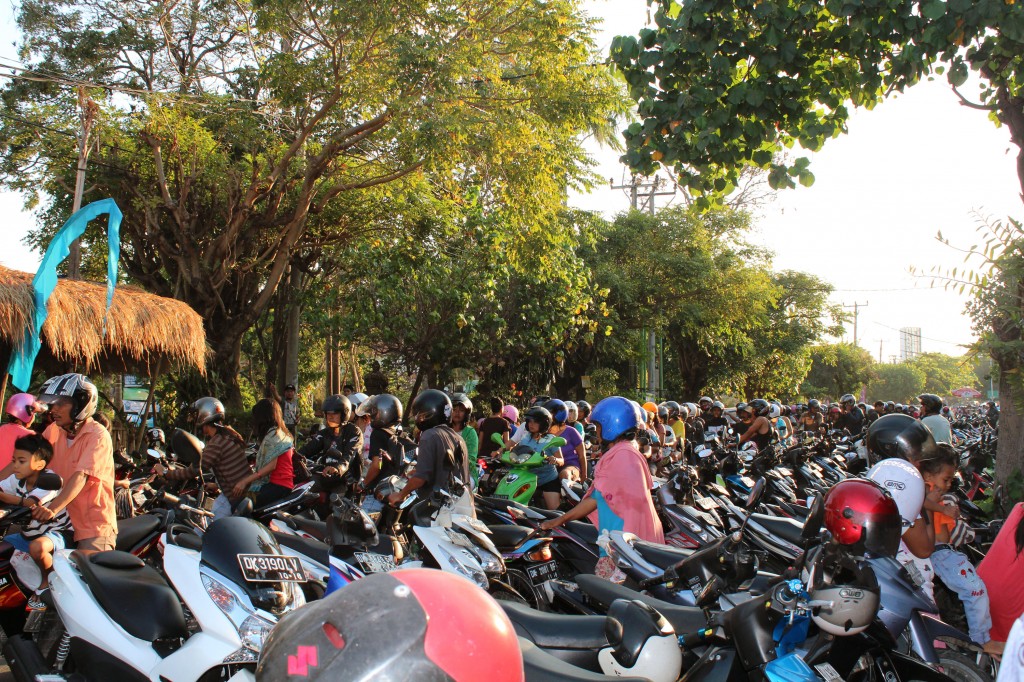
x=254 y=631
x=252 y=628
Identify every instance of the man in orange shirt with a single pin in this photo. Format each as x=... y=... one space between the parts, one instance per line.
x=83 y=456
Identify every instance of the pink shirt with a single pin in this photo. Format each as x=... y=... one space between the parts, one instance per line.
x=1002 y=570
x=8 y=434
x=91 y=452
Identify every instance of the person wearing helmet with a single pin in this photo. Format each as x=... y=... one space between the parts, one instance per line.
x=21 y=411
x=619 y=497
x=676 y=420
x=497 y=423
x=931 y=416
x=223 y=454
x=851 y=417
x=462 y=423
x=534 y=433
x=695 y=425
x=812 y=419
x=339 y=445
x=780 y=423
x=715 y=424
x=759 y=428
x=585 y=409
x=83 y=456
x=574 y=417
x=992 y=414
x=274 y=476
x=387 y=450
x=438 y=625
x=574 y=453
x=442 y=461
x=290 y=409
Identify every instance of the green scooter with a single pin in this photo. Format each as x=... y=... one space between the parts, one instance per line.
x=520 y=482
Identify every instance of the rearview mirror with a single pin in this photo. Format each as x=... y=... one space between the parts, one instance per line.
x=187 y=447
x=815 y=517
x=755 y=493
x=555 y=442
x=49 y=481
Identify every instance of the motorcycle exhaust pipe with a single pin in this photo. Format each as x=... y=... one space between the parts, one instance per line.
x=24 y=659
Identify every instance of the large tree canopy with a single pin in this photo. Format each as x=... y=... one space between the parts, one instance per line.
x=725 y=85
x=241 y=138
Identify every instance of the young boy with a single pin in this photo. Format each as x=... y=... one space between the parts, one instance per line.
x=952 y=566
x=39 y=538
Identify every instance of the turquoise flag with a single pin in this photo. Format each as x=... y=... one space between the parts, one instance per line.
x=43 y=284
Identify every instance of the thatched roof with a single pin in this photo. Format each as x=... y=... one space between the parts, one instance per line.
x=141 y=328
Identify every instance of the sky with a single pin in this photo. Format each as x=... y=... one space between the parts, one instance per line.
x=917 y=164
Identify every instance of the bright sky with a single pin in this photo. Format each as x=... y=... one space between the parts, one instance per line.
x=915 y=165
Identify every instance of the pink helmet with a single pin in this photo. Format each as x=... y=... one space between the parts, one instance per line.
x=22 y=406
x=510 y=413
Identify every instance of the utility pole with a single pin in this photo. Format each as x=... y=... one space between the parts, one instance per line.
x=879 y=350
x=856 y=312
x=651 y=189
x=87 y=110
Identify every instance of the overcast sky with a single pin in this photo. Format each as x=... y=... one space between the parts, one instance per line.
x=915 y=165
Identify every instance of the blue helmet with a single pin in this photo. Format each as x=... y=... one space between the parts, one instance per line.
x=616 y=415
x=559 y=411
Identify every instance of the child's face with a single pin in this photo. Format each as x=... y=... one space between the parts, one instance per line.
x=942 y=479
x=26 y=464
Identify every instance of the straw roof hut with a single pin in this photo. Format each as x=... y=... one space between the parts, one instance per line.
x=143 y=330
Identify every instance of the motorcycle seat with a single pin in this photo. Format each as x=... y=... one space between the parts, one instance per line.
x=132 y=531
x=556 y=631
x=317 y=529
x=508 y=537
x=787 y=529
x=540 y=666
x=314 y=549
x=684 y=619
x=661 y=556
x=134 y=595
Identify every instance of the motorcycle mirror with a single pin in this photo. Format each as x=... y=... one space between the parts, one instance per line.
x=243 y=508
x=49 y=481
x=755 y=493
x=496 y=438
x=815 y=517
x=555 y=442
x=187 y=447
x=709 y=593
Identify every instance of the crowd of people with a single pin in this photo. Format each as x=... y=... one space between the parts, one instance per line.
x=617 y=445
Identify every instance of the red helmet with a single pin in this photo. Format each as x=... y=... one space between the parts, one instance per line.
x=863 y=516
x=436 y=626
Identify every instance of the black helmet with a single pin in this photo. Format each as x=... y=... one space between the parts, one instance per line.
x=384 y=410
x=338 y=404
x=156 y=436
x=931 y=403
x=82 y=392
x=742 y=407
x=760 y=407
x=585 y=408
x=440 y=627
x=663 y=413
x=813 y=403
x=889 y=407
x=559 y=412
x=900 y=435
x=540 y=400
x=540 y=415
x=673 y=408
x=463 y=399
x=848 y=399
x=431 y=408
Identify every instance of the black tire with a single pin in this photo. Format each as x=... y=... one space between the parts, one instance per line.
x=503 y=592
x=962 y=668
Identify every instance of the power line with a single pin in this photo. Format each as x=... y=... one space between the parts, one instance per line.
x=951 y=343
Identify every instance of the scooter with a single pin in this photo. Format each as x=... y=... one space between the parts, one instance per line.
x=520 y=482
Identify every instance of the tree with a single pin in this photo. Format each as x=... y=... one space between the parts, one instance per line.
x=900 y=383
x=836 y=369
x=944 y=373
x=242 y=139
x=724 y=86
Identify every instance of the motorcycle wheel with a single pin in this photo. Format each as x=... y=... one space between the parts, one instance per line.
x=513 y=589
x=962 y=668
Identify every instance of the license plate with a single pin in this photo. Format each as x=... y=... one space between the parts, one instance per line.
x=375 y=563
x=271 y=568
x=540 y=573
x=747 y=481
x=705 y=503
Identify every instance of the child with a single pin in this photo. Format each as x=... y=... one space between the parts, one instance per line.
x=39 y=538
x=952 y=566
x=21 y=411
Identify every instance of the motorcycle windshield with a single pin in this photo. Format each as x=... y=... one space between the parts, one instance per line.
x=230 y=537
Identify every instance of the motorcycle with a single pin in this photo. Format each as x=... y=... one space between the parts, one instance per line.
x=520 y=481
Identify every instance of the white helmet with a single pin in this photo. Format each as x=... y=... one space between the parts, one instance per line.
x=643 y=643
x=847 y=591
x=775 y=411
x=357 y=398
x=692 y=410
x=902 y=480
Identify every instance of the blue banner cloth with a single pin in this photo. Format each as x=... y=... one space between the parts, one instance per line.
x=45 y=281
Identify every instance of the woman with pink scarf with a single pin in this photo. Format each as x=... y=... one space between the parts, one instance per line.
x=620 y=496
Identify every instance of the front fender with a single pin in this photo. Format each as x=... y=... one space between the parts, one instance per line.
x=937 y=629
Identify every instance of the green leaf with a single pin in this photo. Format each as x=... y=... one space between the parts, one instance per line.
x=933 y=9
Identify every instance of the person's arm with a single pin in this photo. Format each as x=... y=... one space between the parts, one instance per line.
x=472 y=439
x=72 y=487
x=749 y=433
x=920 y=538
x=371 y=473
x=586 y=506
x=581 y=453
x=244 y=484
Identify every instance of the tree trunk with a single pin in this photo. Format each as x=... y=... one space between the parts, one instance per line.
x=412 y=396
x=224 y=368
x=1010 y=452
x=293 y=298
